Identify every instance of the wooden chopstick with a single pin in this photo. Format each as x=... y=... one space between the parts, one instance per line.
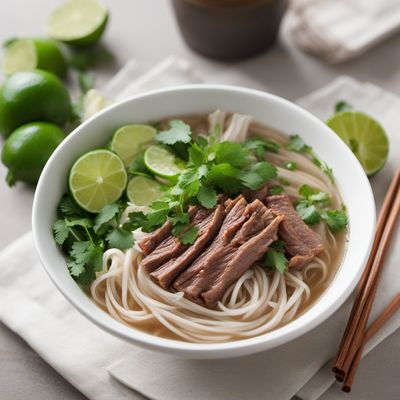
x=393 y=306
x=355 y=329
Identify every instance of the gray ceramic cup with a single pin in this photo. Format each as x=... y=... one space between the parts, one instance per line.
x=229 y=29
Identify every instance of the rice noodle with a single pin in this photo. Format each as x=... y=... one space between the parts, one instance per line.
x=258 y=302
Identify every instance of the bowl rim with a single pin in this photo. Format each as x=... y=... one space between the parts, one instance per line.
x=246 y=346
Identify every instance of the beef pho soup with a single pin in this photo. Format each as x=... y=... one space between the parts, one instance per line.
x=261 y=237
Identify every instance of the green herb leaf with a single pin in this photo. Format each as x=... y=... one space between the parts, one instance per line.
x=61 y=231
x=336 y=219
x=82 y=222
x=314 y=195
x=84 y=59
x=284 y=181
x=75 y=268
x=179 y=221
x=120 y=239
x=308 y=213
x=275 y=257
x=290 y=165
x=297 y=144
x=68 y=207
x=178 y=132
x=207 y=196
x=275 y=190
x=108 y=213
x=224 y=177
x=259 y=146
x=190 y=236
x=231 y=153
x=258 y=175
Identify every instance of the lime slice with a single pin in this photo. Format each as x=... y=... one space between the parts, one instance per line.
x=365 y=137
x=28 y=54
x=77 y=22
x=142 y=191
x=161 y=162
x=96 y=179
x=130 y=140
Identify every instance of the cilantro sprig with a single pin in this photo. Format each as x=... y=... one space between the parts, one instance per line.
x=297 y=144
x=275 y=257
x=85 y=237
x=313 y=209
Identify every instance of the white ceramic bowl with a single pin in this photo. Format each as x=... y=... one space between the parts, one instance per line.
x=271 y=110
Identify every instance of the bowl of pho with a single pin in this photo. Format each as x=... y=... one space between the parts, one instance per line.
x=204 y=221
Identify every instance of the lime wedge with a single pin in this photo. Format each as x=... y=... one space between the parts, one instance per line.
x=365 y=137
x=28 y=54
x=161 y=162
x=77 y=22
x=96 y=179
x=130 y=140
x=142 y=191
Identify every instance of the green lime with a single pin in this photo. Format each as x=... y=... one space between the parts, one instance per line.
x=96 y=179
x=365 y=137
x=78 y=22
x=27 y=150
x=161 y=162
x=28 y=54
x=130 y=140
x=142 y=191
x=29 y=96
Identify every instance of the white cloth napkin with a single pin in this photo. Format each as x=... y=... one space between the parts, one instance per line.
x=90 y=358
x=338 y=30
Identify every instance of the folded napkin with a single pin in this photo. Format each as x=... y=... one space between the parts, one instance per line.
x=90 y=359
x=338 y=30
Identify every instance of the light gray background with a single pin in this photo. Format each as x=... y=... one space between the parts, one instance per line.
x=146 y=30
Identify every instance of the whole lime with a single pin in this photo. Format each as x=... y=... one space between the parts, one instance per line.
x=30 y=53
x=29 y=96
x=27 y=150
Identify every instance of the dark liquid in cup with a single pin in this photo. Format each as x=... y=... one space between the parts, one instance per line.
x=229 y=29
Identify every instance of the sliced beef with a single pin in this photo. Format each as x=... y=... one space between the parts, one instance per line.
x=208 y=229
x=246 y=255
x=171 y=246
x=236 y=215
x=153 y=239
x=259 y=194
x=214 y=269
x=301 y=242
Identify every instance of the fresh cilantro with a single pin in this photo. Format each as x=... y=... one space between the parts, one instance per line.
x=108 y=213
x=284 y=181
x=61 y=231
x=207 y=196
x=314 y=195
x=231 y=153
x=275 y=257
x=259 y=146
x=308 y=213
x=178 y=132
x=86 y=81
x=297 y=144
x=275 y=190
x=290 y=165
x=119 y=238
x=312 y=209
x=342 y=106
x=258 y=174
x=190 y=236
x=179 y=221
x=69 y=207
x=336 y=219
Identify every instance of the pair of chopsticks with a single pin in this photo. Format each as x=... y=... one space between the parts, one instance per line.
x=356 y=333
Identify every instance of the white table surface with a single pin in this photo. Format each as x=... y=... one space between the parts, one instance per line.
x=146 y=30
